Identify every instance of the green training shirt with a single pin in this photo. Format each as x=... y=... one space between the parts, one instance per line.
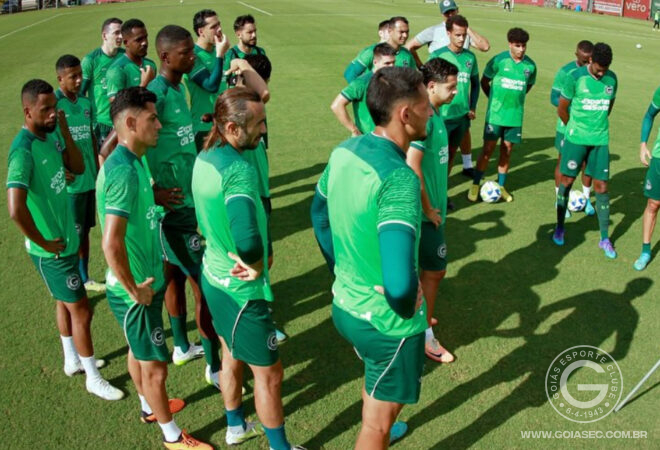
x=236 y=53
x=403 y=58
x=95 y=66
x=590 y=99
x=510 y=81
x=201 y=101
x=356 y=93
x=220 y=175
x=434 y=163
x=558 y=84
x=36 y=165
x=124 y=73
x=656 y=104
x=259 y=160
x=368 y=185
x=123 y=189
x=80 y=119
x=466 y=62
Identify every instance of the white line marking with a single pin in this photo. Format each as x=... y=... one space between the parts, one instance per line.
x=255 y=8
x=32 y=24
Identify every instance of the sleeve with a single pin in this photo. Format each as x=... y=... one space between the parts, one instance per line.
x=353 y=71
x=114 y=81
x=87 y=74
x=491 y=68
x=651 y=112
x=321 y=220
x=19 y=171
x=121 y=191
x=616 y=86
x=474 y=85
x=209 y=81
x=354 y=91
x=425 y=36
x=557 y=84
x=568 y=89
x=366 y=57
x=532 y=76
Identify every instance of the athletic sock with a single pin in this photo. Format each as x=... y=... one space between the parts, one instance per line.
x=501 y=179
x=211 y=353
x=83 y=266
x=562 y=202
x=603 y=213
x=144 y=405
x=646 y=248
x=467 y=161
x=429 y=334
x=70 y=353
x=478 y=175
x=236 y=420
x=556 y=190
x=89 y=364
x=179 y=332
x=171 y=431
x=277 y=438
x=586 y=190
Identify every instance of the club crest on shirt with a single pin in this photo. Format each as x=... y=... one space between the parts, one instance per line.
x=87 y=113
x=468 y=64
x=648 y=185
x=527 y=73
x=572 y=164
x=195 y=242
x=609 y=90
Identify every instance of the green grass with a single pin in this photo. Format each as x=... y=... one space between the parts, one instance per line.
x=511 y=300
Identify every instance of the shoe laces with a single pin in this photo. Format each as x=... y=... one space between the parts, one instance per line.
x=188 y=440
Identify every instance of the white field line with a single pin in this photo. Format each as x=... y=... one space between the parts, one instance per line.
x=32 y=24
x=255 y=8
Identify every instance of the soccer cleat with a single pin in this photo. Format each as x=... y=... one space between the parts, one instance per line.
x=505 y=195
x=397 y=431
x=281 y=336
x=558 y=237
x=469 y=172
x=608 y=248
x=94 y=286
x=252 y=430
x=212 y=378
x=101 y=388
x=642 y=261
x=175 y=404
x=437 y=352
x=77 y=368
x=187 y=441
x=180 y=358
x=589 y=209
x=473 y=193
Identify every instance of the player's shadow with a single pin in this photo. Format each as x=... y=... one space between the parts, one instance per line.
x=627 y=198
x=301 y=295
x=463 y=235
x=290 y=219
x=295 y=175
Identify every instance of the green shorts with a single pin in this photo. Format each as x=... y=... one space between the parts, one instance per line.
x=652 y=182
x=101 y=131
x=559 y=141
x=509 y=134
x=248 y=331
x=142 y=325
x=84 y=211
x=183 y=249
x=456 y=129
x=596 y=156
x=200 y=137
x=392 y=366
x=432 y=247
x=62 y=277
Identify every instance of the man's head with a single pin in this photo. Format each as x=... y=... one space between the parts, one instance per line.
x=134 y=34
x=134 y=116
x=440 y=79
x=384 y=56
x=69 y=73
x=176 y=48
x=583 y=52
x=457 y=27
x=517 y=38
x=39 y=105
x=207 y=25
x=448 y=8
x=399 y=31
x=384 y=30
x=396 y=96
x=111 y=33
x=601 y=58
x=239 y=118
x=246 y=30
x=260 y=64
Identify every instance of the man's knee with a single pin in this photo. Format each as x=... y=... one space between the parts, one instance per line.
x=153 y=372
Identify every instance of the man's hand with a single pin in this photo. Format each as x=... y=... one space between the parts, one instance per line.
x=207 y=118
x=146 y=75
x=237 y=66
x=221 y=44
x=433 y=216
x=55 y=246
x=61 y=121
x=472 y=115
x=355 y=132
x=644 y=154
x=144 y=293
x=270 y=261
x=420 y=296
x=69 y=176
x=244 y=272
x=167 y=197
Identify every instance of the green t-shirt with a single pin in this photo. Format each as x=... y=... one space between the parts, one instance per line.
x=510 y=81
x=368 y=185
x=656 y=104
x=95 y=67
x=466 y=62
x=434 y=163
x=80 y=119
x=403 y=58
x=171 y=160
x=36 y=165
x=219 y=176
x=590 y=99
x=236 y=53
x=558 y=84
x=259 y=160
x=201 y=101
x=124 y=73
x=123 y=189
x=356 y=93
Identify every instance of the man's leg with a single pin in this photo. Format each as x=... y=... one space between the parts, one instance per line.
x=175 y=303
x=377 y=419
x=648 y=225
x=466 y=152
x=506 y=148
x=603 y=214
x=562 y=206
x=586 y=191
x=482 y=165
x=268 y=403
x=83 y=254
x=207 y=334
x=430 y=280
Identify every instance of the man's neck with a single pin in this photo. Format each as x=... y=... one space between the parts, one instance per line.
x=135 y=58
x=514 y=58
x=70 y=95
x=395 y=46
x=394 y=133
x=137 y=148
x=203 y=43
x=171 y=75
x=244 y=48
x=34 y=130
x=234 y=144
x=109 y=51
x=455 y=49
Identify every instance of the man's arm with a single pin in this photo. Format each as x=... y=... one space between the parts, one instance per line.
x=251 y=78
x=647 y=125
x=321 y=220
x=414 y=159
x=478 y=41
x=353 y=71
x=413 y=45
x=210 y=81
x=474 y=94
x=338 y=107
x=71 y=156
x=20 y=214
x=563 y=109
x=87 y=75
x=108 y=146
x=485 y=85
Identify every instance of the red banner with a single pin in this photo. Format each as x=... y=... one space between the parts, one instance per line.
x=611 y=7
x=638 y=9
x=529 y=2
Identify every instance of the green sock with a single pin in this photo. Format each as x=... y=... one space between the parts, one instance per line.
x=646 y=248
x=562 y=202
x=179 y=332
x=211 y=353
x=603 y=213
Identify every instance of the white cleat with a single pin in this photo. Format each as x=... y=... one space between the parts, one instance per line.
x=252 y=430
x=180 y=358
x=94 y=286
x=77 y=367
x=213 y=379
x=101 y=388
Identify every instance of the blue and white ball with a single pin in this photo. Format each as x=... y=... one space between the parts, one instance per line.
x=490 y=192
x=576 y=201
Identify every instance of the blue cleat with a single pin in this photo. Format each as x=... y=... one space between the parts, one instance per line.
x=608 y=248
x=397 y=431
x=642 y=261
x=558 y=237
x=589 y=209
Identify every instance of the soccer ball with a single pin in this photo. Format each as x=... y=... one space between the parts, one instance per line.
x=490 y=192
x=576 y=201
x=638 y=46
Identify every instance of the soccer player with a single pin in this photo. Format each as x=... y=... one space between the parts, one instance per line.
x=38 y=203
x=582 y=54
x=507 y=5
x=79 y=116
x=507 y=79
x=589 y=92
x=235 y=276
x=399 y=30
x=366 y=214
x=656 y=20
x=203 y=82
x=652 y=183
x=95 y=67
x=131 y=244
x=245 y=29
x=429 y=159
x=356 y=93
x=384 y=30
x=462 y=109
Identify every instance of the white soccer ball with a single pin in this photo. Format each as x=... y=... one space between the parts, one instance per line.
x=576 y=201
x=490 y=192
x=638 y=45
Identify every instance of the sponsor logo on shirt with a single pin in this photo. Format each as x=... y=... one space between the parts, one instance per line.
x=58 y=182
x=152 y=217
x=186 y=134
x=602 y=104
x=511 y=84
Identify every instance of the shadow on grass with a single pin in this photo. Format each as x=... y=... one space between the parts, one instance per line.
x=295 y=175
